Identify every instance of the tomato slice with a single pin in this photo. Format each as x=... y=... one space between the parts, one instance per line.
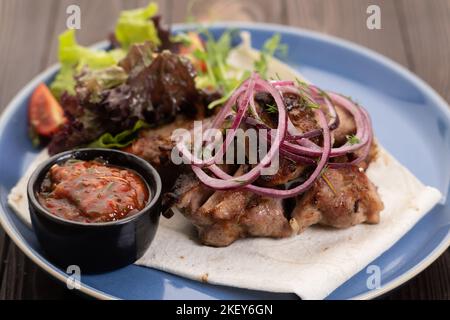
x=45 y=114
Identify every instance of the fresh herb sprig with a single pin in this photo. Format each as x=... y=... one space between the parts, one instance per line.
x=304 y=92
x=271 y=108
x=219 y=74
x=271 y=47
x=352 y=139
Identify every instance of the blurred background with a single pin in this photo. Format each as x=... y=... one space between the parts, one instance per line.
x=414 y=33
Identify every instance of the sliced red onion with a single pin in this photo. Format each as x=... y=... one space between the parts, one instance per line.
x=282 y=194
x=281 y=83
x=255 y=172
x=365 y=152
x=217 y=122
x=305 y=147
x=287 y=141
x=241 y=112
x=297 y=158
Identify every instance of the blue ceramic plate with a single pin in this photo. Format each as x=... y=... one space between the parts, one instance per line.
x=410 y=120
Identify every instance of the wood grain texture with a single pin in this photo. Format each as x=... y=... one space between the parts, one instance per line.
x=425 y=32
x=4 y=245
x=227 y=10
x=425 y=29
x=23 y=45
x=347 y=19
x=415 y=33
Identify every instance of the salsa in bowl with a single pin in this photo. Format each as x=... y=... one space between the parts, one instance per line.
x=92 y=191
x=95 y=208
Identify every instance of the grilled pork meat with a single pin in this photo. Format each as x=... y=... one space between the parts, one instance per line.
x=363 y=165
x=221 y=217
x=288 y=171
x=229 y=215
x=341 y=198
x=155 y=145
x=302 y=117
x=188 y=194
x=300 y=114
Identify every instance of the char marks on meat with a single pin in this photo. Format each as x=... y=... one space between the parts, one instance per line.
x=341 y=198
x=288 y=171
x=344 y=199
x=188 y=194
x=221 y=217
x=230 y=215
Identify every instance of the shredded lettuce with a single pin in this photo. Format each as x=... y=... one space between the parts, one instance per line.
x=215 y=57
x=121 y=140
x=74 y=57
x=219 y=75
x=270 y=48
x=135 y=26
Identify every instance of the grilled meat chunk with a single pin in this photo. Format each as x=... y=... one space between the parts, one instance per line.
x=221 y=217
x=188 y=195
x=346 y=126
x=229 y=215
x=302 y=117
x=155 y=145
x=341 y=198
x=288 y=171
x=363 y=165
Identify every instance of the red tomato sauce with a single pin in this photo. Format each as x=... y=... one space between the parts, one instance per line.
x=92 y=191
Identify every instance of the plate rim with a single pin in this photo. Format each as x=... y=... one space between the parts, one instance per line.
x=369 y=53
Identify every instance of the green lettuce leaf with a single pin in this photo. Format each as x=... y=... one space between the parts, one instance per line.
x=64 y=81
x=121 y=140
x=71 y=53
x=74 y=57
x=135 y=26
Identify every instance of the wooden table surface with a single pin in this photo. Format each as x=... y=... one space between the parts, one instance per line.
x=415 y=33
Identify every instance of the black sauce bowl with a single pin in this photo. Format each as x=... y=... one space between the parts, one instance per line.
x=96 y=247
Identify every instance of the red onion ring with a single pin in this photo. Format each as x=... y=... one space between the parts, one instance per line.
x=283 y=194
